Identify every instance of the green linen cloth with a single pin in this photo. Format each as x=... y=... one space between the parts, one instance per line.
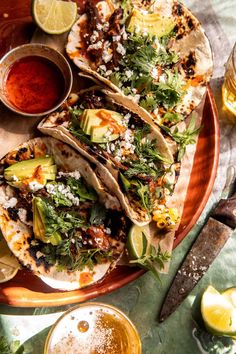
x=141 y=299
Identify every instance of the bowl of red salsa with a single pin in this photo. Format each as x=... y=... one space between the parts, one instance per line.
x=34 y=79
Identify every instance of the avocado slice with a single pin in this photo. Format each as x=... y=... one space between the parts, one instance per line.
x=27 y=173
x=31 y=164
x=154 y=24
x=125 y=182
x=98 y=135
x=39 y=224
x=98 y=118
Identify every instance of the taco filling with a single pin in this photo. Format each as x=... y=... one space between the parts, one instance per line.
x=124 y=143
x=63 y=228
x=153 y=52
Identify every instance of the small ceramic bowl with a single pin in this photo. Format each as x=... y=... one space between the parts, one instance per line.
x=93 y=328
x=34 y=50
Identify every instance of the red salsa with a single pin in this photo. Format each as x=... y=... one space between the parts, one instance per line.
x=34 y=84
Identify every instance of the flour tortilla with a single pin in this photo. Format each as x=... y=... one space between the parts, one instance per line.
x=53 y=125
x=19 y=235
x=190 y=40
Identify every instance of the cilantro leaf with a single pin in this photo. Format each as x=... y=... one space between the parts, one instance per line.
x=59 y=221
x=79 y=188
x=153 y=259
x=187 y=137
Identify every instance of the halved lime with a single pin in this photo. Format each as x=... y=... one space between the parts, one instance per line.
x=137 y=241
x=218 y=313
x=54 y=16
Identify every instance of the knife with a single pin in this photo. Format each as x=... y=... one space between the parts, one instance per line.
x=206 y=247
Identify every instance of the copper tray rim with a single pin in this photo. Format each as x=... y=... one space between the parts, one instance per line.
x=19 y=296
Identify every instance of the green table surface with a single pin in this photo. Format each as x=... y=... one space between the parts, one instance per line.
x=141 y=299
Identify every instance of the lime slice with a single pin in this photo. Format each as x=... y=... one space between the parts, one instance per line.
x=137 y=241
x=7 y=272
x=218 y=313
x=8 y=263
x=54 y=16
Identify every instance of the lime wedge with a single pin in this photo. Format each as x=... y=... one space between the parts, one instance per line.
x=8 y=263
x=54 y=16
x=7 y=272
x=137 y=241
x=218 y=313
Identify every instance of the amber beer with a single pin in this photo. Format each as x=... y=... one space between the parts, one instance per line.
x=229 y=86
x=93 y=328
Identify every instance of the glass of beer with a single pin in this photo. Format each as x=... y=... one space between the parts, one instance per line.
x=229 y=86
x=93 y=328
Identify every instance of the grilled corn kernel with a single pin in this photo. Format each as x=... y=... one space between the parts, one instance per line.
x=165 y=217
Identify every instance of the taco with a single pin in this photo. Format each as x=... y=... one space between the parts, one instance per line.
x=154 y=55
x=132 y=157
x=53 y=217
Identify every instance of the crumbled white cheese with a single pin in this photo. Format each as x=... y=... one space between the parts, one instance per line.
x=120 y=49
x=34 y=186
x=116 y=38
x=99 y=26
x=10 y=203
x=134 y=90
x=108 y=72
x=126 y=118
x=97 y=45
x=108 y=230
x=129 y=73
x=75 y=174
x=154 y=73
x=65 y=190
x=124 y=33
x=136 y=98
x=15 y=178
x=106 y=26
x=39 y=254
x=103 y=68
x=22 y=213
x=107 y=55
x=162 y=78
x=94 y=36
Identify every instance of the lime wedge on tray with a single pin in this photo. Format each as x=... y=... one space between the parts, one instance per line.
x=219 y=314
x=137 y=241
x=54 y=16
x=9 y=265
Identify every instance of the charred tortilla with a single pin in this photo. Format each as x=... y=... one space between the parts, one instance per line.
x=54 y=219
x=153 y=54
x=132 y=157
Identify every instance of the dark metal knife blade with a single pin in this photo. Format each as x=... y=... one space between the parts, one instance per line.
x=204 y=250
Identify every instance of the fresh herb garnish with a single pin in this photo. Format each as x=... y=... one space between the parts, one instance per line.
x=139 y=168
x=80 y=189
x=144 y=194
x=59 y=221
x=146 y=148
x=187 y=137
x=172 y=117
x=142 y=60
x=68 y=255
x=153 y=260
x=98 y=214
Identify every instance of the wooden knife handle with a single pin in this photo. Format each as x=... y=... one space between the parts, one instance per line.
x=225 y=211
